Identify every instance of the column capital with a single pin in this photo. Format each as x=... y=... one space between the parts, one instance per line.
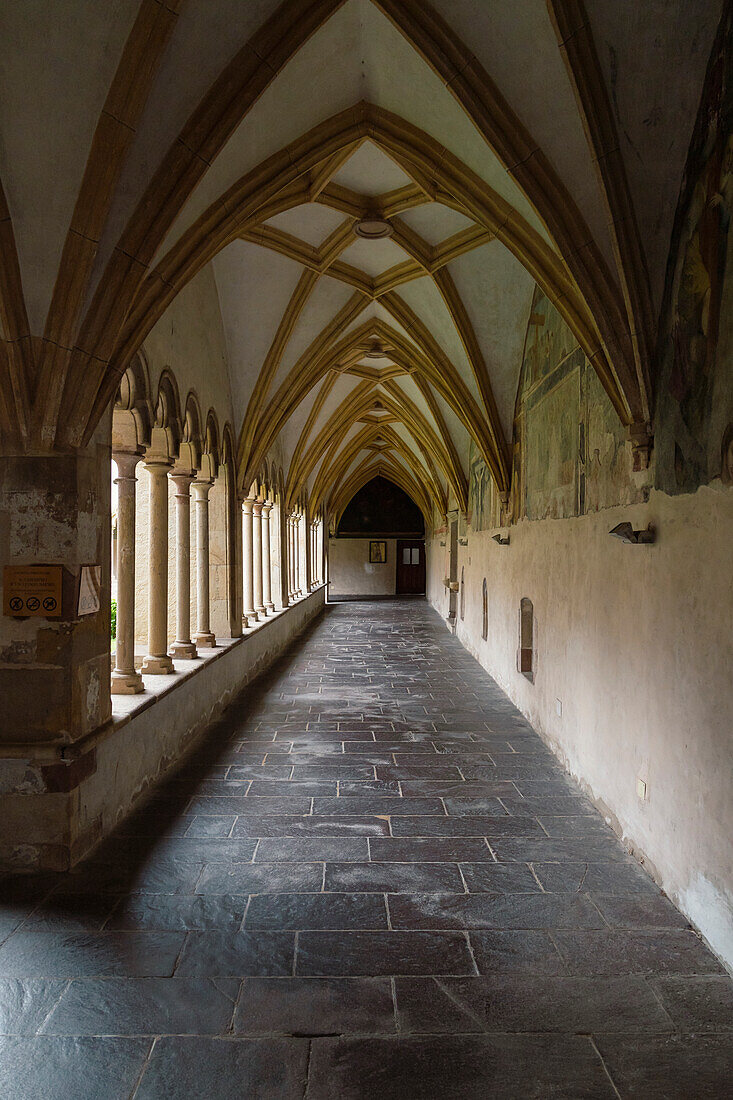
x=126 y=462
x=248 y=505
x=158 y=467
x=201 y=488
x=182 y=482
x=257 y=506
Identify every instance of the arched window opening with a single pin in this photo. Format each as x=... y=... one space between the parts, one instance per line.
x=463 y=594
x=525 y=653
x=484 y=611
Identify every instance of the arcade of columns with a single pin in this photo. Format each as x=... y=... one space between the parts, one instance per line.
x=259 y=551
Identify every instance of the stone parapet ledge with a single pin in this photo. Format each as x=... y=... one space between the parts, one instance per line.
x=156 y=687
x=57 y=801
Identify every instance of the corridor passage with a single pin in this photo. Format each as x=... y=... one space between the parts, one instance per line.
x=373 y=881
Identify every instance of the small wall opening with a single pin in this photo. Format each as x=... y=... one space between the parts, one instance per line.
x=463 y=594
x=484 y=611
x=525 y=653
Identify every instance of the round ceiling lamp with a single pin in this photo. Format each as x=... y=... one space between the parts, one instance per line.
x=373 y=228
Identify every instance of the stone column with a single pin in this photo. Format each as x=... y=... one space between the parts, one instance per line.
x=257 y=560
x=203 y=636
x=314 y=557
x=126 y=680
x=289 y=522
x=266 y=558
x=248 y=614
x=279 y=532
x=309 y=532
x=296 y=558
x=183 y=648
x=157 y=662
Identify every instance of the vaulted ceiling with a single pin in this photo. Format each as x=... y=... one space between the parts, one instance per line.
x=500 y=146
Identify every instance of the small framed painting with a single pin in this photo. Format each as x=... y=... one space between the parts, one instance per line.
x=377 y=553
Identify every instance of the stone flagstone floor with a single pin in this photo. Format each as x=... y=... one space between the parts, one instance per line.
x=372 y=881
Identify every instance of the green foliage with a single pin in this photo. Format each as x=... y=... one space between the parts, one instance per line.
x=113 y=630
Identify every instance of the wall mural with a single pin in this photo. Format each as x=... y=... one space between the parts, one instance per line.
x=570 y=454
x=481 y=492
x=694 y=419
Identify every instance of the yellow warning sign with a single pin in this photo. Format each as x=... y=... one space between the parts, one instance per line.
x=32 y=590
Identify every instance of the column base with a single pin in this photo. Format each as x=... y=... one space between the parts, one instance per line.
x=126 y=683
x=270 y=609
x=205 y=641
x=261 y=614
x=157 y=666
x=183 y=651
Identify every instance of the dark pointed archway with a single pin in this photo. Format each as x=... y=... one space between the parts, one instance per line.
x=381 y=508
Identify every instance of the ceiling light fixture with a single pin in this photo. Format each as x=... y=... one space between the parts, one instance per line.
x=373 y=228
x=376 y=350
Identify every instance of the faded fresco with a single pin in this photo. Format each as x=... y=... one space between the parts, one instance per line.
x=570 y=451
x=694 y=421
x=481 y=492
x=570 y=454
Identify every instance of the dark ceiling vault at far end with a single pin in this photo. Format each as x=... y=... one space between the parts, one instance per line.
x=381 y=508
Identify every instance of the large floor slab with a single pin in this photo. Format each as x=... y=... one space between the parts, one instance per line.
x=372 y=880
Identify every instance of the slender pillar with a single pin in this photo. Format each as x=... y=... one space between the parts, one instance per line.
x=157 y=662
x=296 y=556
x=293 y=566
x=319 y=553
x=310 y=554
x=302 y=556
x=266 y=558
x=281 y=588
x=183 y=648
x=290 y=556
x=314 y=556
x=248 y=615
x=203 y=636
x=257 y=560
x=126 y=680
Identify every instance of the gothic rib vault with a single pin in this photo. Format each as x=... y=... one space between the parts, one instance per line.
x=493 y=170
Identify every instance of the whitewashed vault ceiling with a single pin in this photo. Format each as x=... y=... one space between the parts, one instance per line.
x=503 y=145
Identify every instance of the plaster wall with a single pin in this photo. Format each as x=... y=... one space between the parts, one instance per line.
x=351 y=573
x=437 y=568
x=636 y=642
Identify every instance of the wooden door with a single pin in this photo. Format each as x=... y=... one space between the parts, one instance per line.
x=410 y=567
